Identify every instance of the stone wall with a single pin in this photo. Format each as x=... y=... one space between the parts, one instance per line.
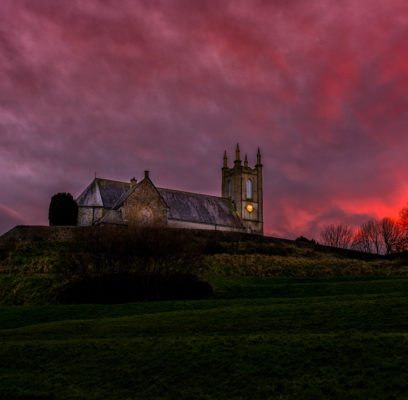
x=27 y=233
x=174 y=223
x=145 y=206
x=88 y=215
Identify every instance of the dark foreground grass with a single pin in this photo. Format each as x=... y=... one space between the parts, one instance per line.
x=256 y=339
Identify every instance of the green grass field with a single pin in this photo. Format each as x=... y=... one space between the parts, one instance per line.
x=258 y=338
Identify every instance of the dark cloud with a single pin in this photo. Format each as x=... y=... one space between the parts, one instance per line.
x=117 y=88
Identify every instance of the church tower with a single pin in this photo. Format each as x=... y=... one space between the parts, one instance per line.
x=243 y=186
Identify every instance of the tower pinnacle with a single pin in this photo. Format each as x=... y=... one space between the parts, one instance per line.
x=237 y=156
x=225 y=159
x=258 y=157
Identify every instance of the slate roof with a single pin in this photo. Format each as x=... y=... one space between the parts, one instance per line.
x=200 y=208
x=111 y=191
x=102 y=193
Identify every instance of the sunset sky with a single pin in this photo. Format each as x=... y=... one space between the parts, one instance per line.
x=117 y=87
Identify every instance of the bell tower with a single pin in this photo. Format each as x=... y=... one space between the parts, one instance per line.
x=243 y=186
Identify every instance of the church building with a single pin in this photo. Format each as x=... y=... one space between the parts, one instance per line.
x=239 y=208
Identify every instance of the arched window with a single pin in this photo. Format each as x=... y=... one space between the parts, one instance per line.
x=146 y=216
x=229 y=188
x=249 y=189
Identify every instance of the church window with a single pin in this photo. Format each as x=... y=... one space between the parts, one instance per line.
x=84 y=220
x=249 y=189
x=146 y=216
x=229 y=188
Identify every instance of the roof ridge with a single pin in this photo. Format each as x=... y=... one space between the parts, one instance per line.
x=125 y=195
x=112 y=180
x=194 y=193
x=98 y=193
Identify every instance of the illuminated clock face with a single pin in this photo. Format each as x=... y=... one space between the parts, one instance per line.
x=249 y=207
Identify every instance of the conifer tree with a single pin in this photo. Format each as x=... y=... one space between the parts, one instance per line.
x=63 y=210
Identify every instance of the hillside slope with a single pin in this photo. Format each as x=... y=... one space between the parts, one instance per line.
x=30 y=271
x=258 y=338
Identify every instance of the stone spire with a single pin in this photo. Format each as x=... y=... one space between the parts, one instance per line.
x=225 y=160
x=246 y=161
x=258 y=157
x=237 y=156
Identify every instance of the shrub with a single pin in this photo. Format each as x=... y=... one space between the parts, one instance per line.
x=214 y=246
x=137 y=249
x=128 y=287
x=6 y=247
x=305 y=240
x=63 y=210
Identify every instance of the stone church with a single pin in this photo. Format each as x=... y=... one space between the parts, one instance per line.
x=240 y=207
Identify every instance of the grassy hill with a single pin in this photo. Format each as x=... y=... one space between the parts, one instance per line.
x=257 y=338
x=31 y=271
x=287 y=320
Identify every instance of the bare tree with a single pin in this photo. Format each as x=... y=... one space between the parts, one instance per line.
x=368 y=237
x=393 y=236
x=361 y=241
x=372 y=229
x=403 y=218
x=337 y=235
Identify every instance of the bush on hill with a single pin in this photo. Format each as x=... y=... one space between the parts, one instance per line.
x=135 y=249
x=129 y=287
x=6 y=247
x=115 y=265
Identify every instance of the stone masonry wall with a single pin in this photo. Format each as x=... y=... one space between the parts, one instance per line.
x=86 y=215
x=145 y=206
x=27 y=233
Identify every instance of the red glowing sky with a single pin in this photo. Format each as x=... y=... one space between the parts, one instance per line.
x=119 y=87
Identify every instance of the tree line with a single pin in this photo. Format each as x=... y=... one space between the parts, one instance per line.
x=377 y=236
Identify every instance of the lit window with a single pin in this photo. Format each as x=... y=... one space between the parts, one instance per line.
x=146 y=216
x=249 y=189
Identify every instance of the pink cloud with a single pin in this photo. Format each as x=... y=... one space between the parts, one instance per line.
x=167 y=86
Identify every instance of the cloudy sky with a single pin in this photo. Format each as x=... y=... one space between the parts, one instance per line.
x=118 y=87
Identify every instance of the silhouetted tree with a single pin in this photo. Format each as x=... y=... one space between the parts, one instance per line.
x=403 y=219
x=372 y=228
x=393 y=236
x=337 y=235
x=368 y=237
x=361 y=241
x=63 y=210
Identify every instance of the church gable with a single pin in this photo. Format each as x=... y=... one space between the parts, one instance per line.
x=91 y=196
x=145 y=205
